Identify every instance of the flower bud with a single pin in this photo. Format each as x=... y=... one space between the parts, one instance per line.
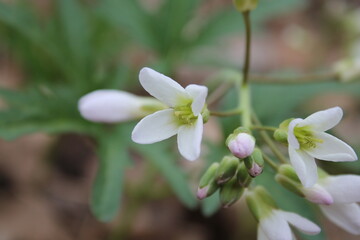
x=254 y=163
x=245 y=5
x=317 y=194
x=230 y=192
x=208 y=184
x=243 y=175
x=241 y=143
x=227 y=169
x=111 y=106
x=348 y=69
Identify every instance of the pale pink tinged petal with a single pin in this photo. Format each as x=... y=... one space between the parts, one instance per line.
x=275 y=227
x=323 y=120
x=304 y=166
x=332 y=149
x=109 y=106
x=198 y=93
x=346 y=216
x=155 y=127
x=301 y=223
x=242 y=145
x=291 y=136
x=318 y=194
x=261 y=235
x=189 y=139
x=343 y=188
x=162 y=87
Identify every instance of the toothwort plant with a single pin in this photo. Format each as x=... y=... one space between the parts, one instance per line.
x=180 y=111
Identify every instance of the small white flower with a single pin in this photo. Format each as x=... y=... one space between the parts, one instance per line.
x=185 y=116
x=111 y=106
x=341 y=207
x=275 y=225
x=307 y=140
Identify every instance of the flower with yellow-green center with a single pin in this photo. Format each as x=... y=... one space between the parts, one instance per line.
x=307 y=140
x=185 y=116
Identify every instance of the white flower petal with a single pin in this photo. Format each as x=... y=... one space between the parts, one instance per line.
x=332 y=149
x=261 y=235
x=155 y=127
x=275 y=227
x=199 y=94
x=301 y=223
x=162 y=87
x=343 y=188
x=304 y=166
x=110 y=106
x=291 y=136
x=346 y=216
x=323 y=120
x=189 y=139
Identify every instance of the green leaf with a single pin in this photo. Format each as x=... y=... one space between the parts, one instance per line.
x=160 y=156
x=114 y=158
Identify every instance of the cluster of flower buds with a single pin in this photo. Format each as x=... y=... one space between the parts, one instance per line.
x=233 y=174
x=229 y=176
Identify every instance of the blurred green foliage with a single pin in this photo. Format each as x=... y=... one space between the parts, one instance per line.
x=80 y=47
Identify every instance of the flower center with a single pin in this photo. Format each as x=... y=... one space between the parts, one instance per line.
x=184 y=114
x=306 y=138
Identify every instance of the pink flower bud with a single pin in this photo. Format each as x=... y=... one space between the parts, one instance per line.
x=202 y=192
x=255 y=170
x=242 y=145
x=318 y=194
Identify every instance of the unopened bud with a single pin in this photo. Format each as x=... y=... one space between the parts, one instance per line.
x=241 y=143
x=242 y=175
x=227 y=169
x=245 y=5
x=289 y=184
x=230 y=192
x=255 y=163
x=288 y=171
x=208 y=184
x=348 y=69
x=318 y=194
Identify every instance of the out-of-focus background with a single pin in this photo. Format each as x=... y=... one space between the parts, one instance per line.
x=63 y=178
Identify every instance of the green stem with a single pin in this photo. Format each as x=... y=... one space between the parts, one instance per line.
x=226 y=114
x=270 y=162
x=267 y=139
x=246 y=16
x=267 y=128
x=245 y=105
x=245 y=95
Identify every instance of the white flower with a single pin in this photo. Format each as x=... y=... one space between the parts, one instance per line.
x=339 y=196
x=185 y=116
x=116 y=106
x=307 y=140
x=275 y=225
